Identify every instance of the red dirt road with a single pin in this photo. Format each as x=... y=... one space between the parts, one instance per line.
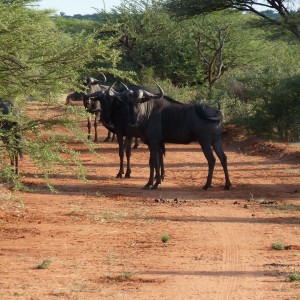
x=102 y=238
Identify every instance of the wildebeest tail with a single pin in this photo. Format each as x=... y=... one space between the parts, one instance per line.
x=207 y=112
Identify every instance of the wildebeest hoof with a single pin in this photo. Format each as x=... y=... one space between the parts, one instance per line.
x=119 y=175
x=127 y=175
x=207 y=186
x=227 y=187
x=155 y=187
x=146 y=187
x=106 y=140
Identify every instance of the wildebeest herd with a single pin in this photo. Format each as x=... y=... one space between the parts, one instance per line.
x=136 y=112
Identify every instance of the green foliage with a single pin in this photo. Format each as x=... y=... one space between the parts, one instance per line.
x=266 y=98
x=294 y=277
x=165 y=238
x=278 y=246
x=44 y=265
x=38 y=63
x=142 y=31
x=41 y=57
x=75 y=26
x=35 y=58
x=287 y=19
x=126 y=275
x=154 y=43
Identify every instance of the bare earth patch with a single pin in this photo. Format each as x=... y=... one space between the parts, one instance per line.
x=102 y=238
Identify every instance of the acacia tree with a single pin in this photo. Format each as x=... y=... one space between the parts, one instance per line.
x=223 y=47
x=289 y=16
x=38 y=61
x=144 y=33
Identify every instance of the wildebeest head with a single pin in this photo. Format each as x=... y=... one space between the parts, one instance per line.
x=93 y=81
x=103 y=98
x=135 y=97
x=125 y=98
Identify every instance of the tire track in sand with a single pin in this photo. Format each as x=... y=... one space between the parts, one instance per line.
x=232 y=265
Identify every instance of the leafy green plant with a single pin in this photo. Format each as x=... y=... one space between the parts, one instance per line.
x=44 y=265
x=294 y=277
x=278 y=246
x=126 y=275
x=165 y=238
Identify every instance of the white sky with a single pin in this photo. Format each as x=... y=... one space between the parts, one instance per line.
x=82 y=7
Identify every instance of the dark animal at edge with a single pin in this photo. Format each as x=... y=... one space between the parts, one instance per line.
x=158 y=121
x=10 y=135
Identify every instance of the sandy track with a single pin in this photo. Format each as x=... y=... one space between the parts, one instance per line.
x=103 y=237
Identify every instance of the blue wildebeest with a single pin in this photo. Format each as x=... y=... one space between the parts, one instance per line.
x=93 y=107
x=115 y=111
x=9 y=132
x=75 y=97
x=159 y=122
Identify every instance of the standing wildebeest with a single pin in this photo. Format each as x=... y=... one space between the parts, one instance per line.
x=115 y=111
x=93 y=107
x=113 y=116
x=9 y=133
x=160 y=122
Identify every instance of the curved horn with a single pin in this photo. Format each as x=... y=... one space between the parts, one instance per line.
x=155 y=96
x=125 y=86
x=112 y=92
x=161 y=91
x=104 y=77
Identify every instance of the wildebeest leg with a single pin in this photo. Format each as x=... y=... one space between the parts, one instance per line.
x=96 y=130
x=154 y=165
x=107 y=139
x=136 y=143
x=157 y=167
x=223 y=159
x=153 y=157
x=206 y=148
x=89 y=127
x=121 y=155
x=161 y=164
x=128 y=142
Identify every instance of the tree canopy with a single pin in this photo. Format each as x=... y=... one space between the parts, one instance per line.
x=287 y=10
